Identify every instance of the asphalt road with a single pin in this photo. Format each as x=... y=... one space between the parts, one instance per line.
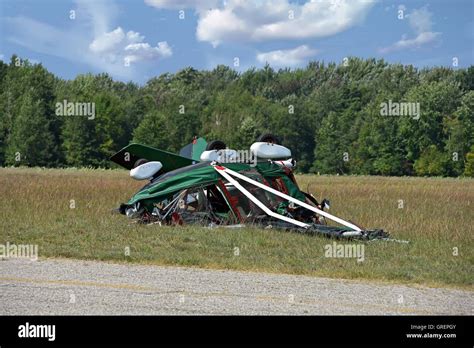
x=84 y=287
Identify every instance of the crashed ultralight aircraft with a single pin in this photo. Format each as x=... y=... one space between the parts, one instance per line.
x=210 y=185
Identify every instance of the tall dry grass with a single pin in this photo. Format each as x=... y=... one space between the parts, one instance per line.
x=68 y=214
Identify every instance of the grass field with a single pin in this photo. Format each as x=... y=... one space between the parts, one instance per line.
x=436 y=215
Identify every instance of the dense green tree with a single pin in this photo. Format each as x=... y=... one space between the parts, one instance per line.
x=329 y=115
x=378 y=147
x=28 y=94
x=469 y=168
x=432 y=162
x=459 y=133
x=331 y=156
x=153 y=131
x=90 y=140
x=437 y=101
x=31 y=141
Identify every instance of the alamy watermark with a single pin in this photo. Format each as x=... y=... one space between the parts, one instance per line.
x=237 y=156
x=67 y=108
x=25 y=251
x=28 y=330
x=335 y=250
x=392 y=108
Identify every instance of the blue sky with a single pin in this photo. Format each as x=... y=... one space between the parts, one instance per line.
x=136 y=40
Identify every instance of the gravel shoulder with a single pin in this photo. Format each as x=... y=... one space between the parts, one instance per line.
x=73 y=287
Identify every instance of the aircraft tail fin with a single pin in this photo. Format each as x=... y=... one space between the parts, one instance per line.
x=194 y=149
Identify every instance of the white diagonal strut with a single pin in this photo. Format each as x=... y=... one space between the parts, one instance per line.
x=255 y=199
x=289 y=198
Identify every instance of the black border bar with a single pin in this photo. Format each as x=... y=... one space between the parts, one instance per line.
x=223 y=330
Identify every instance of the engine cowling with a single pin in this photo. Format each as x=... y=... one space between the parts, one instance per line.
x=223 y=156
x=270 y=151
x=146 y=170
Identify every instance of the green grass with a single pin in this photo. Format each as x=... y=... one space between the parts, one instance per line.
x=437 y=216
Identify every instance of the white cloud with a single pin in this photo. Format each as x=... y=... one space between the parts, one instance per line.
x=88 y=40
x=404 y=43
x=72 y=45
x=291 y=57
x=116 y=46
x=240 y=20
x=107 y=42
x=421 y=23
x=217 y=26
x=182 y=4
x=143 y=51
x=420 y=20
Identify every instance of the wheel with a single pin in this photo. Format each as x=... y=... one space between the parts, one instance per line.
x=268 y=138
x=216 y=145
x=139 y=162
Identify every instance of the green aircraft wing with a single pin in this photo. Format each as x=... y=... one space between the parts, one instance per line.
x=130 y=154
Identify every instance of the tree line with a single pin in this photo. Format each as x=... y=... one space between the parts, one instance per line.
x=351 y=118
